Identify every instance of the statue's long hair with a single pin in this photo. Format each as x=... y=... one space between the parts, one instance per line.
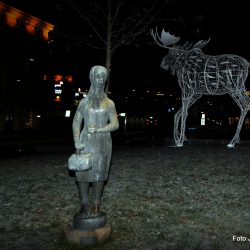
x=96 y=93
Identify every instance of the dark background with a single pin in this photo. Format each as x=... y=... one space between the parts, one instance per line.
x=136 y=68
x=224 y=22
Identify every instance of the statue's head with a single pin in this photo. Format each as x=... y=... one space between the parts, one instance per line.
x=98 y=76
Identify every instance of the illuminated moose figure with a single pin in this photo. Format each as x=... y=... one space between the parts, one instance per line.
x=200 y=74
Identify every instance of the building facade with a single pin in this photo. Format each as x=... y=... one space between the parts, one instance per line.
x=24 y=42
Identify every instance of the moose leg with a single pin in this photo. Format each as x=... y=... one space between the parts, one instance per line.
x=184 y=114
x=179 y=135
x=177 y=128
x=243 y=101
x=177 y=117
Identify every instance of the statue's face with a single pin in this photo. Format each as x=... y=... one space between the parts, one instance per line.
x=100 y=78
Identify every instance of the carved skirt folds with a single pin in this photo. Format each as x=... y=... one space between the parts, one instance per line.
x=100 y=145
x=98 y=172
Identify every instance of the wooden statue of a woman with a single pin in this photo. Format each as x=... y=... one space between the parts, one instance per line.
x=97 y=114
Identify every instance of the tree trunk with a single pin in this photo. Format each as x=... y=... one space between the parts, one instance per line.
x=108 y=66
x=109 y=49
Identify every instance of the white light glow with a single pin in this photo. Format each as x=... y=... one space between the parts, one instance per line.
x=67 y=113
x=58 y=91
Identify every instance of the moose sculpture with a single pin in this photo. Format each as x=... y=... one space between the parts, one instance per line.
x=199 y=74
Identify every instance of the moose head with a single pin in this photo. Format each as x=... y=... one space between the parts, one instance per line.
x=168 y=41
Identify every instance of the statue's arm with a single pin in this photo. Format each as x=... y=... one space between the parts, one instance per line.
x=113 y=120
x=77 y=124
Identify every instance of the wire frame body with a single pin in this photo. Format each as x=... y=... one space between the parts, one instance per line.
x=199 y=74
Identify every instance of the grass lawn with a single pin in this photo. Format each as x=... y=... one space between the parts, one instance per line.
x=195 y=197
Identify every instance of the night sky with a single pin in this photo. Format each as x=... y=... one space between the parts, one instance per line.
x=224 y=22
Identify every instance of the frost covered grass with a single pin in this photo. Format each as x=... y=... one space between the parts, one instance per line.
x=195 y=197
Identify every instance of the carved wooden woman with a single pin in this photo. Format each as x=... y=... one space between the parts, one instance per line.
x=98 y=114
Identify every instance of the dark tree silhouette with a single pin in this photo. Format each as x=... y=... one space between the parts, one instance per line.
x=107 y=25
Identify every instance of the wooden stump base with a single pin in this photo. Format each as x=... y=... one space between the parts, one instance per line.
x=88 y=237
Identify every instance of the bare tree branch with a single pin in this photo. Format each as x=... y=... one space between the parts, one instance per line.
x=86 y=18
x=113 y=23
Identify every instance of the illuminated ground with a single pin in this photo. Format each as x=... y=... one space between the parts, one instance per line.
x=196 y=197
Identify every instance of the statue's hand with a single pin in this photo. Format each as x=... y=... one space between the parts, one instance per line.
x=93 y=129
x=79 y=145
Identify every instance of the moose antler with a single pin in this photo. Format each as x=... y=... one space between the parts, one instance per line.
x=201 y=44
x=166 y=38
x=187 y=45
